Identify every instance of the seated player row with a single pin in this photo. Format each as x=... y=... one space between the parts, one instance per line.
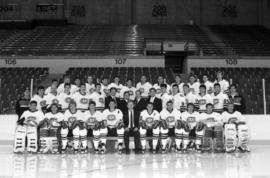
x=190 y=128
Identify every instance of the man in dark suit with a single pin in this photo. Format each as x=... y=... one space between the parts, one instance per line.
x=131 y=121
x=112 y=96
x=157 y=103
x=123 y=102
x=139 y=102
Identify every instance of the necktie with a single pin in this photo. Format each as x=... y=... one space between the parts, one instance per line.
x=131 y=119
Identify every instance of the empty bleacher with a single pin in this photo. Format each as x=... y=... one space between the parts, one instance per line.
x=13 y=83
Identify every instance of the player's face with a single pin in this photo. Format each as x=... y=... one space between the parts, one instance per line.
x=217 y=89
x=202 y=90
x=41 y=91
x=230 y=108
x=72 y=107
x=219 y=76
x=152 y=93
x=54 y=109
x=126 y=96
x=150 y=107
x=105 y=81
x=67 y=89
x=190 y=108
x=177 y=79
x=112 y=105
x=209 y=109
x=83 y=88
x=160 y=79
x=175 y=89
x=67 y=80
x=170 y=106
x=138 y=94
x=55 y=83
x=98 y=88
x=205 y=78
x=77 y=82
x=92 y=107
x=129 y=83
x=186 y=89
x=143 y=79
x=163 y=89
x=53 y=89
x=113 y=92
x=90 y=79
x=191 y=79
x=130 y=105
x=27 y=93
x=116 y=80
x=233 y=89
x=33 y=107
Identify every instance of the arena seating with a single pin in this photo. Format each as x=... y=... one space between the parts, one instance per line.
x=13 y=83
x=124 y=73
x=249 y=82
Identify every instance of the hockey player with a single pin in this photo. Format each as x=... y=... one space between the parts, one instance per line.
x=209 y=85
x=65 y=97
x=104 y=86
x=203 y=99
x=235 y=130
x=189 y=128
x=193 y=84
x=161 y=81
x=168 y=117
x=73 y=122
x=93 y=120
x=128 y=88
x=144 y=86
x=116 y=84
x=189 y=97
x=27 y=127
x=237 y=99
x=114 y=122
x=90 y=86
x=149 y=126
x=51 y=98
x=213 y=130
x=98 y=97
x=164 y=96
x=39 y=98
x=220 y=99
x=61 y=87
x=82 y=99
x=179 y=82
x=55 y=83
x=224 y=84
x=177 y=98
x=49 y=130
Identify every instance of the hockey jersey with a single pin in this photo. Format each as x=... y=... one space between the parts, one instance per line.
x=158 y=88
x=51 y=99
x=61 y=88
x=191 y=118
x=178 y=101
x=113 y=117
x=32 y=119
x=209 y=87
x=118 y=88
x=41 y=102
x=73 y=117
x=202 y=101
x=165 y=97
x=90 y=88
x=64 y=100
x=194 y=87
x=81 y=100
x=220 y=101
x=54 y=119
x=91 y=119
x=131 y=90
x=212 y=119
x=150 y=118
x=170 y=117
x=144 y=88
x=234 y=117
x=99 y=99
x=224 y=85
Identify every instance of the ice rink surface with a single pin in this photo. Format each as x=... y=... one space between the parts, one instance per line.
x=237 y=165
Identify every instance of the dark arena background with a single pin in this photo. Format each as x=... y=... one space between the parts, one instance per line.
x=42 y=40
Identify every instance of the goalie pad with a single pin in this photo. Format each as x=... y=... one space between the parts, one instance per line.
x=143 y=124
x=32 y=145
x=178 y=124
x=19 y=140
x=164 y=124
x=21 y=121
x=199 y=126
x=185 y=126
x=218 y=137
x=156 y=124
x=230 y=137
x=206 y=142
x=243 y=136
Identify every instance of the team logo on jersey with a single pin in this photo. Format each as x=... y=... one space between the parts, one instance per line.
x=131 y=92
x=210 y=119
x=191 y=119
x=232 y=120
x=101 y=100
x=67 y=99
x=216 y=101
x=84 y=100
x=42 y=103
x=142 y=90
x=91 y=90
x=71 y=119
x=170 y=119
x=118 y=90
x=55 y=101
x=31 y=120
x=111 y=117
x=53 y=121
x=192 y=90
x=91 y=120
x=202 y=102
x=149 y=120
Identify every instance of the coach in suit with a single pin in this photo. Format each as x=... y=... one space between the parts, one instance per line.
x=124 y=102
x=139 y=102
x=131 y=121
x=157 y=103
x=112 y=96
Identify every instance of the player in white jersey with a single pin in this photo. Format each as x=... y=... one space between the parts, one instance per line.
x=168 y=117
x=49 y=128
x=224 y=84
x=178 y=99
x=61 y=87
x=82 y=99
x=51 y=98
x=203 y=99
x=90 y=86
x=54 y=83
x=93 y=121
x=149 y=126
x=144 y=86
x=189 y=128
x=235 y=130
x=189 y=97
x=161 y=81
x=114 y=121
x=116 y=84
x=213 y=130
x=27 y=127
x=39 y=98
x=98 y=97
x=73 y=122
x=179 y=82
x=164 y=96
x=220 y=99
x=105 y=86
x=130 y=89
x=209 y=85
x=194 y=85
x=64 y=98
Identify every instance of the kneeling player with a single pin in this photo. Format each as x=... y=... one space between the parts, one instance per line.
x=235 y=130
x=49 y=129
x=213 y=129
x=190 y=128
x=149 y=126
x=114 y=121
x=27 y=127
x=93 y=120
x=73 y=123
x=168 y=118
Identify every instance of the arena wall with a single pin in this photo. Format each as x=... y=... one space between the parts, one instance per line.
x=258 y=125
x=61 y=64
x=228 y=62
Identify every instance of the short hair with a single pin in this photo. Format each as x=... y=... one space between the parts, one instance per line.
x=209 y=104
x=170 y=101
x=77 y=78
x=233 y=85
x=216 y=84
x=105 y=78
x=219 y=72
x=163 y=85
x=177 y=76
x=190 y=104
x=185 y=85
x=40 y=88
x=129 y=79
x=152 y=89
x=138 y=91
x=175 y=85
x=33 y=102
x=92 y=102
x=203 y=86
x=192 y=75
x=149 y=103
x=54 y=104
x=113 y=88
x=116 y=76
x=112 y=101
x=67 y=84
x=82 y=84
x=126 y=92
x=54 y=80
x=72 y=101
x=97 y=84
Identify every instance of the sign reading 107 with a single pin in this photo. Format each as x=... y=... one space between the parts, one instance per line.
x=10 y=61
x=231 y=61
x=120 y=61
